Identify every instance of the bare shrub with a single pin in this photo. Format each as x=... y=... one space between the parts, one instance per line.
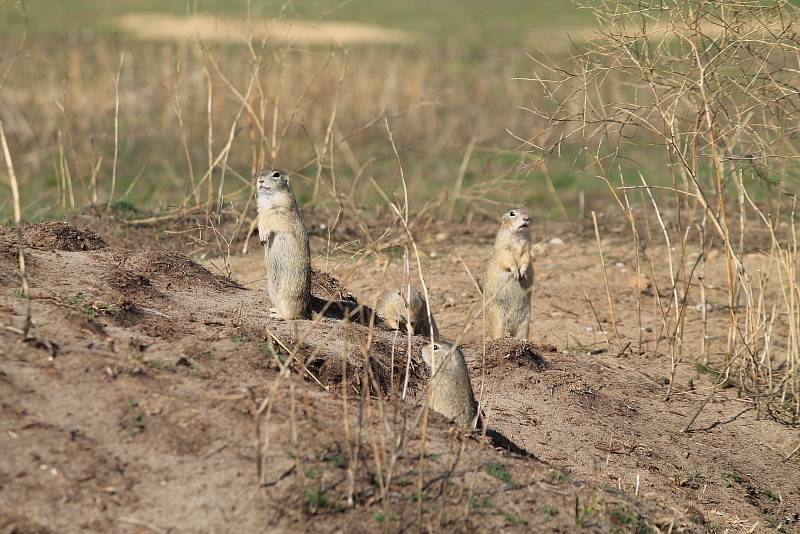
x=709 y=90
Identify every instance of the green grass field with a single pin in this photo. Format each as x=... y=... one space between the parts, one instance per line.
x=502 y=22
x=453 y=86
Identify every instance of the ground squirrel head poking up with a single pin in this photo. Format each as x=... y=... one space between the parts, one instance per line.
x=516 y=222
x=397 y=307
x=451 y=389
x=273 y=191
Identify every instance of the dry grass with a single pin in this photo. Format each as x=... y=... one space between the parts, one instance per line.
x=707 y=88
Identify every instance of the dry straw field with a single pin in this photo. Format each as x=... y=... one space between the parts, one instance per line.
x=145 y=387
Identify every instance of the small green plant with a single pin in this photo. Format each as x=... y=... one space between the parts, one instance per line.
x=582 y=514
x=733 y=476
x=268 y=350
x=91 y=309
x=704 y=369
x=689 y=477
x=316 y=499
x=416 y=497
x=556 y=477
x=499 y=472
x=621 y=517
x=125 y=208
x=334 y=459
x=548 y=511
x=769 y=495
x=77 y=299
x=158 y=363
x=238 y=339
x=394 y=251
x=134 y=420
x=513 y=519
x=312 y=472
x=381 y=518
x=481 y=505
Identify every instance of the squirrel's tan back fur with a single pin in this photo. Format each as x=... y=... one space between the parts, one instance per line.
x=509 y=277
x=285 y=240
x=396 y=310
x=451 y=388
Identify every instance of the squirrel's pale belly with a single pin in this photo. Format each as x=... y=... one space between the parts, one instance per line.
x=508 y=301
x=289 y=272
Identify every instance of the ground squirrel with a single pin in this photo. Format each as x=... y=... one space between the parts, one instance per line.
x=451 y=389
x=395 y=311
x=285 y=241
x=509 y=277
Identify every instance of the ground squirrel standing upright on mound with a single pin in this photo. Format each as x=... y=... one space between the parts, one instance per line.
x=396 y=309
x=451 y=388
x=285 y=241
x=509 y=277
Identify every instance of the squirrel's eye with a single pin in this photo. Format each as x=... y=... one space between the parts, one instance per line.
x=511 y=213
x=276 y=174
x=436 y=347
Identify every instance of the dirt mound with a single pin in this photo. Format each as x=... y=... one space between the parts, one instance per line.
x=326 y=287
x=164 y=376
x=54 y=235
x=170 y=267
x=331 y=299
x=131 y=284
x=333 y=351
x=512 y=350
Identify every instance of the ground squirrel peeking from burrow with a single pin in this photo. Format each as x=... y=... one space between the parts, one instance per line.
x=285 y=241
x=509 y=277
x=399 y=307
x=451 y=389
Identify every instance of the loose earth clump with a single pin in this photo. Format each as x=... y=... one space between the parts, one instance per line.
x=54 y=235
x=131 y=284
x=509 y=350
x=170 y=267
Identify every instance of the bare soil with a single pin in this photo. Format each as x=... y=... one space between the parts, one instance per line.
x=131 y=403
x=160 y=27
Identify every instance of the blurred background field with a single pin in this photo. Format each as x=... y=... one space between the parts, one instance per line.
x=446 y=87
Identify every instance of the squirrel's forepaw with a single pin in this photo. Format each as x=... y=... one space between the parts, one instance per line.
x=274 y=314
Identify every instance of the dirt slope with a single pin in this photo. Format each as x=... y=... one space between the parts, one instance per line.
x=131 y=407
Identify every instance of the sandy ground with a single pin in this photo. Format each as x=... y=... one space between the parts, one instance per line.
x=132 y=404
x=159 y=27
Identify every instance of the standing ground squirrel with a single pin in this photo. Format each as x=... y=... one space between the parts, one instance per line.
x=451 y=389
x=509 y=277
x=395 y=311
x=285 y=241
